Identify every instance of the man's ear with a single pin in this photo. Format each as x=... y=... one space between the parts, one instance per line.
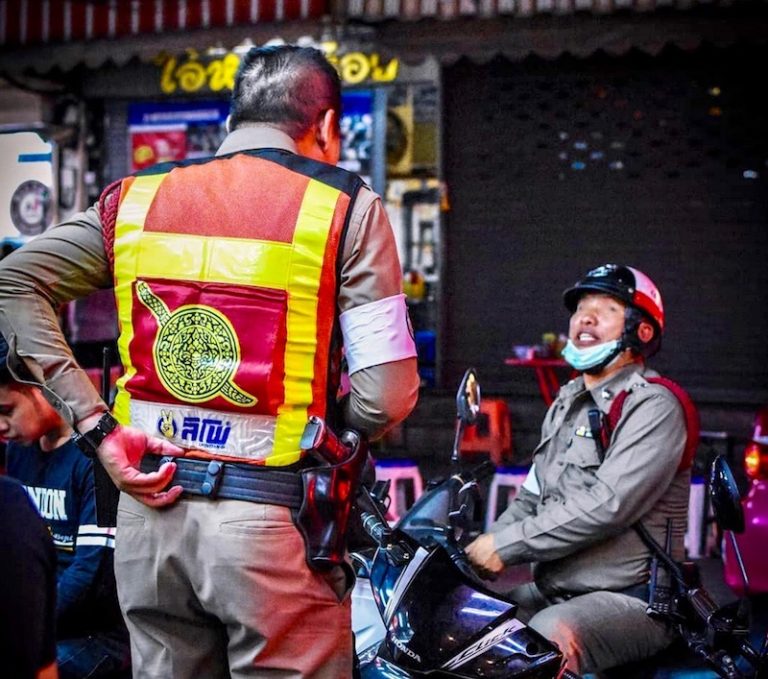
x=645 y=332
x=327 y=135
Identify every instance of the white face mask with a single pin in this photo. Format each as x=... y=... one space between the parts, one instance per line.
x=591 y=357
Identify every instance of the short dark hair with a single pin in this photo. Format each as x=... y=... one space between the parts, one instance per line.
x=286 y=86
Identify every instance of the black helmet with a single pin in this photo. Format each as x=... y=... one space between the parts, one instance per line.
x=636 y=291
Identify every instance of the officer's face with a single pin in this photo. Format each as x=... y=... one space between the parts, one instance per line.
x=598 y=318
x=25 y=415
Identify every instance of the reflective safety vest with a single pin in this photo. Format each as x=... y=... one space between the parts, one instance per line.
x=226 y=280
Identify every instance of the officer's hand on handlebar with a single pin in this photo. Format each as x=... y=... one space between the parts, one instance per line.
x=120 y=453
x=484 y=557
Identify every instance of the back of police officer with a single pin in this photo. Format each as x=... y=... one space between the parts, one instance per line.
x=238 y=280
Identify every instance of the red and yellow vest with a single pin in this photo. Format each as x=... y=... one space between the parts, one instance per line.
x=226 y=275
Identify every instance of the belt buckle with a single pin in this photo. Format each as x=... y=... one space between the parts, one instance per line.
x=214 y=473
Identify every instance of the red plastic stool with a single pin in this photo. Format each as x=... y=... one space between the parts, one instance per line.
x=492 y=433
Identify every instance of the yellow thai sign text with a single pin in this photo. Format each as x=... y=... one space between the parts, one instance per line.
x=194 y=72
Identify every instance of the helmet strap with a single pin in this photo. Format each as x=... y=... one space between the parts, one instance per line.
x=610 y=358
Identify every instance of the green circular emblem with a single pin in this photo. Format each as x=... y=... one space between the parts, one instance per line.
x=196 y=351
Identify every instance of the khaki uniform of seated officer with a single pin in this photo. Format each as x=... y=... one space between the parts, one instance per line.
x=574 y=514
x=238 y=280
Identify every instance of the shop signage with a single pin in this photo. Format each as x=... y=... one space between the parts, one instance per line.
x=171 y=131
x=356 y=68
x=200 y=73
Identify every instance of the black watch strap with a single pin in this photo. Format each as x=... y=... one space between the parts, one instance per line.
x=90 y=441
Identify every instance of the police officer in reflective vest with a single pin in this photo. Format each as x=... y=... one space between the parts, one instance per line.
x=238 y=280
x=599 y=472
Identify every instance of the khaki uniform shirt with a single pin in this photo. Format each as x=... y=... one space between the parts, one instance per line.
x=69 y=261
x=577 y=529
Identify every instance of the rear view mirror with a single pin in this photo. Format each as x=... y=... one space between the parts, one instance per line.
x=724 y=494
x=468 y=398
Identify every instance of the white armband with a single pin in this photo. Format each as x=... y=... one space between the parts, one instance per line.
x=377 y=332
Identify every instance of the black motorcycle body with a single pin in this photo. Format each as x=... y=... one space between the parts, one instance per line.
x=439 y=619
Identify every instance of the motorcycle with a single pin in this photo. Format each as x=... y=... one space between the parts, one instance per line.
x=419 y=609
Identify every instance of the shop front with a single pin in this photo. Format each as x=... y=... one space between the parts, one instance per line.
x=145 y=107
x=515 y=144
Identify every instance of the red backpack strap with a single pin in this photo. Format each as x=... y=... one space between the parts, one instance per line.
x=690 y=413
x=108 y=204
x=614 y=414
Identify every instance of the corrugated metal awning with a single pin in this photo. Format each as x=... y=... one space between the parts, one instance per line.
x=40 y=22
x=44 y=36
x=383 y=10
x=550 y=37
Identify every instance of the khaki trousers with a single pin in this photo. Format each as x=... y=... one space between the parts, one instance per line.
x=217 y=589
x=594 y=631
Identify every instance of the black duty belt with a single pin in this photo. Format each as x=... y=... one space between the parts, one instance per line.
x=640 y=591
x=231 y=480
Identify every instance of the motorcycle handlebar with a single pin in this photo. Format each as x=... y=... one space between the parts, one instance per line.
x=376 y=528
x=484 y=471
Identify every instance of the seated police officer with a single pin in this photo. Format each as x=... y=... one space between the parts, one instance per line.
x=573 y=518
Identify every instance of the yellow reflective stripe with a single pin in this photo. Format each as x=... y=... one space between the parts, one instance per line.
x=128 y=229
x=306 y=267
x=234 y=261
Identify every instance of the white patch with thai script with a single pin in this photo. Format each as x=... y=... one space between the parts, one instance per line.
x=250 y=437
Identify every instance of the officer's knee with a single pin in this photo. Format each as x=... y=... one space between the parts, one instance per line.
x=560 y=631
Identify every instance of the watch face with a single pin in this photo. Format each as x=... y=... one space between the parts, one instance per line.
x=31 y=207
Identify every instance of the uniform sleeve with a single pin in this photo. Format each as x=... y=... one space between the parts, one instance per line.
x=639 y=466
x=92 y=546
x=66 y=262
x=27 y=585
x=384 y=394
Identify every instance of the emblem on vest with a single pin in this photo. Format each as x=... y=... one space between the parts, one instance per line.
x=196 y=351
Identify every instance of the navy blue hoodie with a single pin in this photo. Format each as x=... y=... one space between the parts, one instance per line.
x=60 y=483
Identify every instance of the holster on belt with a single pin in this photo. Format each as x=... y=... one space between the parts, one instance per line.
x=329 y=492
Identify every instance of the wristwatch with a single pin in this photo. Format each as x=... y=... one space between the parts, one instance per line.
x=90 y=441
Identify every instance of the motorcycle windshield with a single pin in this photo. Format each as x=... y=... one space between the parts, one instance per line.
x=428 y=519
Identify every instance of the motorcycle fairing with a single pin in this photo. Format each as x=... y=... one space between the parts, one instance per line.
x=437 y=618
